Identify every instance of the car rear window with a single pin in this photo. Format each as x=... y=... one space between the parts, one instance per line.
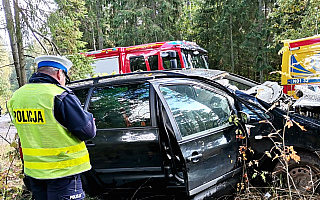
x=121 y=106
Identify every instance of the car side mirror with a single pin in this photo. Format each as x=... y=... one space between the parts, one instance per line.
x=173 y=54
x=244 y=117
x=207 y=58
x=173 y=64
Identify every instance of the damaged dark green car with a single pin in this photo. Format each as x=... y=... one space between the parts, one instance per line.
x=181 y=134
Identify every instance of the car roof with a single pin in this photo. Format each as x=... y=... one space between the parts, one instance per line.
x=144 y=75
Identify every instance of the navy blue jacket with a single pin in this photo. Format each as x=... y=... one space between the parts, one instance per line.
x=68 y=111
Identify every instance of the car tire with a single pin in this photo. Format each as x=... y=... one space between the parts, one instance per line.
x=305 y=173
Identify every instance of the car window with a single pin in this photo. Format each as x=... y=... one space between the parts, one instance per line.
x=121 y=106
x=240 y=86
x=166 y=60
x=194 y=59
x=153 y=62
x=196 y=109
x=82 y=95
x=137 y=63
x=255 y=113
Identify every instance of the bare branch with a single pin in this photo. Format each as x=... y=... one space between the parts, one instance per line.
x=37 y=32
x=5 y=139
x=8 y=65
x=12 y=64
x=29 y=56
x=40 y=43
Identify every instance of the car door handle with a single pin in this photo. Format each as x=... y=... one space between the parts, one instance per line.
x=194 y=158
x=90 y=144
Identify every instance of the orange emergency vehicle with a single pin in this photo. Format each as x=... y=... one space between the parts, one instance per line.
x=146 y=57
x=300 y=64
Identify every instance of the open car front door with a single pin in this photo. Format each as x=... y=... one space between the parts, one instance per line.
x=200 y=118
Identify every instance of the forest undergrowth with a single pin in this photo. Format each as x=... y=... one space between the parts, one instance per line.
x=274 y=186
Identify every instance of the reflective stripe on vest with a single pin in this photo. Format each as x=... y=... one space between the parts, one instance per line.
x=53 y=151
x=57 y=165
x=49 y=150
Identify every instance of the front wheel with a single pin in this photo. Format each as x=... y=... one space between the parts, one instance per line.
x=304 y=175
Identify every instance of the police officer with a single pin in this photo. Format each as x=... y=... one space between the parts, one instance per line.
x=52 y=127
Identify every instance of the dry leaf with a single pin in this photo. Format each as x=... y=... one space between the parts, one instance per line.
x=289 y=124
x=300 y=126
x=240 y=137
x=268 y=154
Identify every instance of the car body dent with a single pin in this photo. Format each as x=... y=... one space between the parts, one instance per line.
x=260 y=130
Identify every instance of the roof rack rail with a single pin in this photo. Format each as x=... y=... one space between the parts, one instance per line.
x=97 y=79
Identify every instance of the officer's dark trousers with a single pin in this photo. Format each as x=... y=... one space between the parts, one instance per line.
x=56 y=189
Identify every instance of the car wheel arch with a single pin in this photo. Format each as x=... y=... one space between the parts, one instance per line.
x=304 y=173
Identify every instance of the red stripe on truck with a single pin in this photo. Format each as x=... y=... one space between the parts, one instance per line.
x=304 y=42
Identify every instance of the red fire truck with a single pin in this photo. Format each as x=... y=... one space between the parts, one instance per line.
x=146 y=57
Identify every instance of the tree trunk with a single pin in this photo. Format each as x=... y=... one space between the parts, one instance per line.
x=93 y=39
x=13 y=39
x=260 y=44
x=99 y=28
x=22 y=62
x=231 y=46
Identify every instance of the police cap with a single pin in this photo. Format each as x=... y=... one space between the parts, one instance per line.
x=54 y=61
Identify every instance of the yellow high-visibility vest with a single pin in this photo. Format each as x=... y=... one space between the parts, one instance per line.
x=49 y=150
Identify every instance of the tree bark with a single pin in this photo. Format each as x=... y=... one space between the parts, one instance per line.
x=231 y=46
x=260 y=44
x=13 y=39
x=22 y=62
x=99 y=28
